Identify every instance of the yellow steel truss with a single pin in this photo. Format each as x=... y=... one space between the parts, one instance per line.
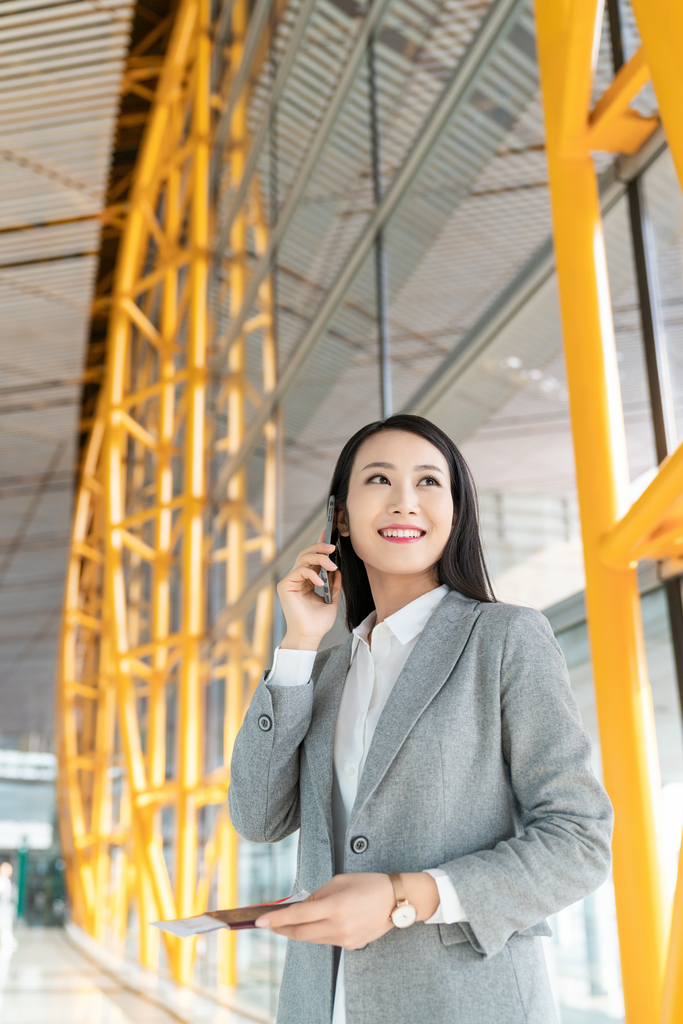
x=133 y=645
x=134 y=659
x=614 y=536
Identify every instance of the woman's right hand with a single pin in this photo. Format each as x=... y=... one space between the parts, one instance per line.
x=308 y=617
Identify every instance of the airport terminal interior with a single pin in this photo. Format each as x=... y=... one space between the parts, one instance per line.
x=232 y=232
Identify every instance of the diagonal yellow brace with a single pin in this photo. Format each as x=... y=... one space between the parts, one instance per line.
x=612 y=125
x=618 y=547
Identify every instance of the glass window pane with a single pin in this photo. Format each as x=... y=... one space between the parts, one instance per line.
x=635 y=396
x=664 y=204
x=584 y=951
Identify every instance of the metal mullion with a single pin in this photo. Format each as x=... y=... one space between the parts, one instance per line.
x=658 y=378
x=380 y=256
x=656 y=359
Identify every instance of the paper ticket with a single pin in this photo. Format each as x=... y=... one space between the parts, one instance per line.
x=235 y=918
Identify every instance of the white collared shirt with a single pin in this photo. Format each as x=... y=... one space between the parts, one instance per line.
x=372 y=673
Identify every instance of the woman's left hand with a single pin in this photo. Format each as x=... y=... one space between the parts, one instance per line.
x=350 y=910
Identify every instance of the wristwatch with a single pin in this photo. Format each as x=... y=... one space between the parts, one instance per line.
x=404 y=913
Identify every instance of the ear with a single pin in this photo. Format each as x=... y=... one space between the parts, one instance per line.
x=342 y=524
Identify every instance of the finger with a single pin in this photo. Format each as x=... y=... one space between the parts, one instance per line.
x=312 y=576
x=320 y=932
x=314 y=564
x=315 y=551
x=304 y=912
x=320 y=544
x=317 y=558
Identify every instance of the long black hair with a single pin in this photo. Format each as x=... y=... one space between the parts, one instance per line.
x=461 y=566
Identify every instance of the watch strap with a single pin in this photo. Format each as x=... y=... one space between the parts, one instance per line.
x=399 y=890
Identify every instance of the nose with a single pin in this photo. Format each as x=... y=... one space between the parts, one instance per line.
x=404 y=500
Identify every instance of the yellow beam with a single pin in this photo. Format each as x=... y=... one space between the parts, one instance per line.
x=573 y=36
x=619 y=547
x=566 y=32
x=189 y=767
x=612 y=125
x=236 y=496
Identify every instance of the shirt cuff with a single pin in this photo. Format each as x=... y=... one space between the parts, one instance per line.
x=450 y=909
x=291 y=668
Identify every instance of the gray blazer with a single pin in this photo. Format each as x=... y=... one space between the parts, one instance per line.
x=480 y=765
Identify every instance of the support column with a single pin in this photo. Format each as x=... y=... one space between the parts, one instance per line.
x=566 y=35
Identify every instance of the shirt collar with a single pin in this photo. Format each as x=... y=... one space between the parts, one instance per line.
x=407 y=622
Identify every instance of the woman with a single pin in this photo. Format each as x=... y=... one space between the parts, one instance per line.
x=439 y=745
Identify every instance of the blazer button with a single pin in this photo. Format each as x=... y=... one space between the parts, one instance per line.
x=359 y=844
x=265 y=723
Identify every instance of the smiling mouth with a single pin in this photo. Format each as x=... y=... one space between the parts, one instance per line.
x=396 y=533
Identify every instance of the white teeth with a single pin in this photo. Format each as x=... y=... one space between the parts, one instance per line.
x=402 y=533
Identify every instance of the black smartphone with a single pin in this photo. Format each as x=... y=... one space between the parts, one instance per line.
x=326 y=589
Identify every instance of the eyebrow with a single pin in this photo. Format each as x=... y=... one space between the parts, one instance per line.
x=390 y=465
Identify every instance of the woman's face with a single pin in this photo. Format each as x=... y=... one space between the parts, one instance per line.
x=399 y=509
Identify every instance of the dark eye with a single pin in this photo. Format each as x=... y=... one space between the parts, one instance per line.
x=378 y=479
x=430 y=481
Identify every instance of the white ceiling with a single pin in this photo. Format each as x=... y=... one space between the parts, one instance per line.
x=60 y=71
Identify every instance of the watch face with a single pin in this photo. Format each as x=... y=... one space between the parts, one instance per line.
x=403 y=917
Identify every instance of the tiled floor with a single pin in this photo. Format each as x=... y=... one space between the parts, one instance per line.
x=46 y=981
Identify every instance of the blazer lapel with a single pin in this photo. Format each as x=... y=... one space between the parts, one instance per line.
x=429 y=666
x=319 y=739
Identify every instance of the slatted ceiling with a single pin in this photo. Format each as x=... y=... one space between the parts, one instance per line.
x=60 y=73
x=46 y=243
x=65 y=66
x=479 y=279
x=323 y=177
x=62 y=288
x=316 y=68
x=67 y=74
x=46 y=306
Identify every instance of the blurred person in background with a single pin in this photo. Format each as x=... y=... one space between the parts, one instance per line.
x=8 y=905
